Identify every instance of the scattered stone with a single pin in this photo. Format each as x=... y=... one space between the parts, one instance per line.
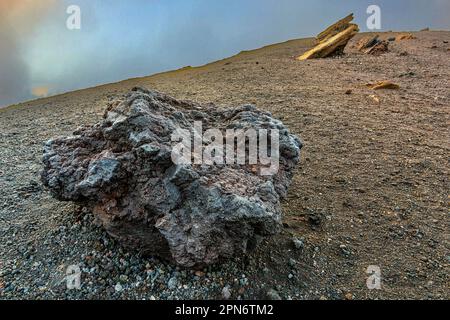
x=407 y=74
x=383 y=85
x=315 y=219
x=226 y=293
x=172 y=283
x=298 y=243
x=349 y=91
x=118 y=287
x=345 y=251
x=407 y=36
x=375 y=98
x=194 y=215
x=199 y=273
x=273 y=295
x=292 y=263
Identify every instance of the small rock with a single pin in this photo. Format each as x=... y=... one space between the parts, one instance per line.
x=383 y=85
x=123 y=278
x=273 y=295
x=172 y=284
x=345 y=251
x=118 y=287
x=292 y=262
x=298 y=243
x=199 y=273
x=226 y=293
x=375 y=98
x=407 y=36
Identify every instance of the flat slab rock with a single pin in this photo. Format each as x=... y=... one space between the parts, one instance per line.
x=191 y=214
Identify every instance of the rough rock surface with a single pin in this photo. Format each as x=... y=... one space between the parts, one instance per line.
x=193 y=214
x=333 y=40
x=367 y=42
x=372 y=45
x=378 y=49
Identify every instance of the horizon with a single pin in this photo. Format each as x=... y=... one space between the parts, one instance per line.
x=42 y=57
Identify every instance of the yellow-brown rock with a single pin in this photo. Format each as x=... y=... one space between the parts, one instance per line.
x=332 y=40
x=383 y=85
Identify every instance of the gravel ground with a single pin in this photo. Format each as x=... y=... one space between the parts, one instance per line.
x=372 y=188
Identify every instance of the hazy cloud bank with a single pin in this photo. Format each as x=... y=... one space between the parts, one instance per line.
x=39 y=56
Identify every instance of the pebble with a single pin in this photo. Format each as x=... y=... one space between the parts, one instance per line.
x=123 y=278
x=292 y=262
x=172 y=283
x=199 y=273
x=226 y=293
x=118 y=287
x=298 y=243
x=273 y=295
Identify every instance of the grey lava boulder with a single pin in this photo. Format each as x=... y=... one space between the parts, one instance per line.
x=192 y=213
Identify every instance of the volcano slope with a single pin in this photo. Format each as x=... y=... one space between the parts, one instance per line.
x=371 y=189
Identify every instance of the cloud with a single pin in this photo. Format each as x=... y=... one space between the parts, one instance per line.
x=17 y=20
x=120 y=40
x=40 y=91
x=22 y=15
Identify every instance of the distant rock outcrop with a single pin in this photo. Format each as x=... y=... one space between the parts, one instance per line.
x=332 y=40
x=194 y=214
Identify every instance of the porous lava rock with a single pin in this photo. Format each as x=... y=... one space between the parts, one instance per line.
x=122 y=169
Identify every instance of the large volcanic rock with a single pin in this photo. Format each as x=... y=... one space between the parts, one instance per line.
x=193 y=214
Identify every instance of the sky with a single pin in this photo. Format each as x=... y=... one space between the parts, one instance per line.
x=40 y=56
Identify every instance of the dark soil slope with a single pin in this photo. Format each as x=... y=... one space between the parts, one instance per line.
x=372 y=187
